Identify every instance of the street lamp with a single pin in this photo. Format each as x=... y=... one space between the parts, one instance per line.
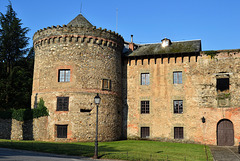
x=97 y=100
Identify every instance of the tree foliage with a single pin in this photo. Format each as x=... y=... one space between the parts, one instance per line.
x=25 y=114
x=16 y=63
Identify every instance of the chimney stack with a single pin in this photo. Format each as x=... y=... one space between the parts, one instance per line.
x=131 y=44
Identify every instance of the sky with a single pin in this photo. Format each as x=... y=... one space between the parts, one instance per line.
x=215 y=22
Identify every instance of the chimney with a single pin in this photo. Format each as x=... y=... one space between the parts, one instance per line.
x=131 y=44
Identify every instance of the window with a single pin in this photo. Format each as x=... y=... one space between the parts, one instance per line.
x=62 y=131
x=177 y=77
x=64 y=75
x=178 y=132
x=145 y=79
x=145 y=132
x=178 y=106
x=144 y=107
x=222 y=84
x=106 y=84
x=62 y=103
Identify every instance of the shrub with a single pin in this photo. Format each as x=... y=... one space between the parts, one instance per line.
x=25 y=114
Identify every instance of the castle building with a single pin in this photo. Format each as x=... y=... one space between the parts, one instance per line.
x=168 y=91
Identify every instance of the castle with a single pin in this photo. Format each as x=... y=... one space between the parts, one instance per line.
x=169 y=91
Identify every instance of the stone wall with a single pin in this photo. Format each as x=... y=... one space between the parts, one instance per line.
x=91 y=55
x=23 y=130
x=198 y=92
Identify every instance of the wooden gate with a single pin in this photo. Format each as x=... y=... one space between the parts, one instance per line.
x=225 y=133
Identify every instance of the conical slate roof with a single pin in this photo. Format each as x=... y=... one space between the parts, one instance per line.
x=79 y=21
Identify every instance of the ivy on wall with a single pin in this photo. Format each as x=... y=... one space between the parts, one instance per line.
x=211 y=53
x=25 y=114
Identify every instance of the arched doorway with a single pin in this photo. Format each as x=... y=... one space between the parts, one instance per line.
x=225 y=133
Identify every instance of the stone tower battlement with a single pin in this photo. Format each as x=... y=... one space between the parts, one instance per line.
x=56 y=34
x=73 y=63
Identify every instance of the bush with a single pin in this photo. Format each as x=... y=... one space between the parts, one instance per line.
x=25 y=114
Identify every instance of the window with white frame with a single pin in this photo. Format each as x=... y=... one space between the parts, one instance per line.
x=64 y=75
x=145 y=78
x=177 y=77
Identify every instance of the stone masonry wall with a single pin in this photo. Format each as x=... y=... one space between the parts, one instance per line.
x=198 y=92
x=91 y=55
x=23 y=130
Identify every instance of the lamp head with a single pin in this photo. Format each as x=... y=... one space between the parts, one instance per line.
x=97 y=99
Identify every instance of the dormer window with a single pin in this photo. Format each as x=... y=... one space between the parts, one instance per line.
x=165 y=42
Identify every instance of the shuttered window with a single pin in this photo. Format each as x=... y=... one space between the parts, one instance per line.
x=62 y=103
x=106 y=84
x=62 y=131
x=178 y=132
x=145 y=133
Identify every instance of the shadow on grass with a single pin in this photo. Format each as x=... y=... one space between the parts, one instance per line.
x=74 y=149
x=125 y=150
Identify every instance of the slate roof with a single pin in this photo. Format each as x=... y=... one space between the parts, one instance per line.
x=174 y=48
x=79 y=21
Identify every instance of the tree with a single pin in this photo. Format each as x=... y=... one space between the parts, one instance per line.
x=13 y=40
x=15 y=72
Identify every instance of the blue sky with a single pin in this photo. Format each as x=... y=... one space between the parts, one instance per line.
x=215 y=22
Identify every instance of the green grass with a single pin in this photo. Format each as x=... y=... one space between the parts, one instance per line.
x=124 y=150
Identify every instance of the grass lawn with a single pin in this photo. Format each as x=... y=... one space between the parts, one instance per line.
x=124 y=150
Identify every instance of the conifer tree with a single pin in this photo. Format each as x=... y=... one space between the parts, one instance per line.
x=13 y=43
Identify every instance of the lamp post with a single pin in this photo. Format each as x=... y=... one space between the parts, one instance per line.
x=97 y=100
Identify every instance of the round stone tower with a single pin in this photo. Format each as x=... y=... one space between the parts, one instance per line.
x=73 y=63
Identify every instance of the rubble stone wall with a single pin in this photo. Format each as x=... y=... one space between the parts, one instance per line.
x=91 y=55
x=198 y=92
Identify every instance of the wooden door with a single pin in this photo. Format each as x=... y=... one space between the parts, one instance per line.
x=225 y=133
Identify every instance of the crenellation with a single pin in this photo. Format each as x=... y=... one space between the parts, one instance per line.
x=178 y=87
x=67 y=31
x=82 y=50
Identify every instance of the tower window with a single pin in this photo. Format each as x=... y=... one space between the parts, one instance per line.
x=62 y=131
x=64 y=75
x=62 y=103
x=106 y=84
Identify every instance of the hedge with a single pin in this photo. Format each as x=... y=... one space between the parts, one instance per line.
x=25 y=114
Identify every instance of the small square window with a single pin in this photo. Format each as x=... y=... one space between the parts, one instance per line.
x=145 y=107
x=62 y=131
x=177 y=77
x=145 y=132
x=106 y=84
x=145 y=79
x=178 y=106
x=64 y=75
x=62 y=103
x=178 y=132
